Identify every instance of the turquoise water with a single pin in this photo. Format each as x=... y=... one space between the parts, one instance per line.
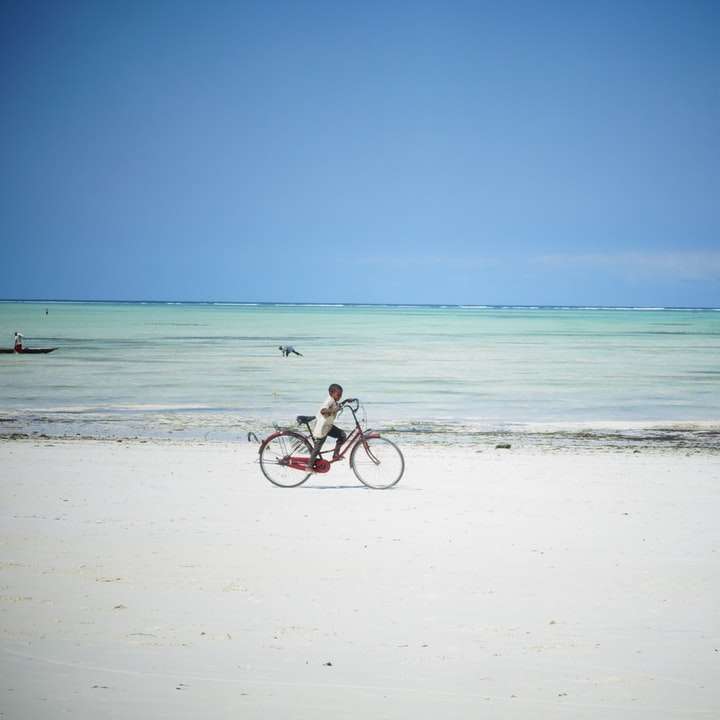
x=199 y=369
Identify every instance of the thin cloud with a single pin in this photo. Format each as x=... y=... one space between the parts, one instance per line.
x=683 y=265
x=420 y=262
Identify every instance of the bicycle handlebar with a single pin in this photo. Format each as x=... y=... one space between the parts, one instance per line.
x=351 y=401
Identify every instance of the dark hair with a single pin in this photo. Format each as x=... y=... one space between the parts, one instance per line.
x=335 y=386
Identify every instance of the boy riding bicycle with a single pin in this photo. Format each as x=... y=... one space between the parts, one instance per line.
x=324 y=426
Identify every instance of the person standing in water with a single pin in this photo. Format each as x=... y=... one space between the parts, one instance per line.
x=17 y=342
x=288 y=350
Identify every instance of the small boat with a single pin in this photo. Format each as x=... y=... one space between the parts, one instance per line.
x=27 y=351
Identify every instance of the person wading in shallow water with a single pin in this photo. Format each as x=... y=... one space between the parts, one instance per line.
x=17 y=342
x=287 y=350
x=324 y=424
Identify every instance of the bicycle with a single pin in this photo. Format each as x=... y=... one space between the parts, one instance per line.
x=376 y=461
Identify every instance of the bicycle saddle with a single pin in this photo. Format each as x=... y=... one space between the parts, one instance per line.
x=305 y=419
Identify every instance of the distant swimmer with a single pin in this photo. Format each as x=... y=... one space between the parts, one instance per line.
x=288 y=350
x=17 y=342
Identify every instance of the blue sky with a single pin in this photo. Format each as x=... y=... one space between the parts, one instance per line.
x=469 y=152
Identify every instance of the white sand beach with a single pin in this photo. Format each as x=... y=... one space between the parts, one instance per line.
x=161 y=580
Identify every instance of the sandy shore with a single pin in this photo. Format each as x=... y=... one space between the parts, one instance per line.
x=173 y=581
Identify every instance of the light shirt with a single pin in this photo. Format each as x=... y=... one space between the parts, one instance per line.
x=325 y=422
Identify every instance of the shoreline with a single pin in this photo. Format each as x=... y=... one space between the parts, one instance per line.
x=616 y=436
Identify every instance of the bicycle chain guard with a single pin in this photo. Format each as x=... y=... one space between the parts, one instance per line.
x=301 y=463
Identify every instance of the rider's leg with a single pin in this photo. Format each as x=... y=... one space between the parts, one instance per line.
x=340 y=437
x=319 y=442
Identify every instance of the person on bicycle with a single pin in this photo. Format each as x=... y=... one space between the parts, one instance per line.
x=324 y=424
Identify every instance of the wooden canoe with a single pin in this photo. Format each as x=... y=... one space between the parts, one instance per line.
x=27 y=351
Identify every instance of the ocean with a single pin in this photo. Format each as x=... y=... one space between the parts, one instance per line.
x=214 y=371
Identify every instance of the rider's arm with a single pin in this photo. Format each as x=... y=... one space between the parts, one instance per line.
x=331 y=407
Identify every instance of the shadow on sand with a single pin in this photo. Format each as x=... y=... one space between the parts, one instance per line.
x=333 y=487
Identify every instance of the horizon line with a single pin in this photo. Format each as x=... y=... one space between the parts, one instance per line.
x=339 y=303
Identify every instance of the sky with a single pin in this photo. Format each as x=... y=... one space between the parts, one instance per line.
x=410 y=152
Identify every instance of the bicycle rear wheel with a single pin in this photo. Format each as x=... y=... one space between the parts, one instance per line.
x=275 y=456
x=380 y=465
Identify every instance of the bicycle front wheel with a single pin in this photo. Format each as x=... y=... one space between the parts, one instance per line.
x=275 y=457
x=377 y=463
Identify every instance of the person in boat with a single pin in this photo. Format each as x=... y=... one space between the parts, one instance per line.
x=17 y=342
x=324 y=426
x=288 y=350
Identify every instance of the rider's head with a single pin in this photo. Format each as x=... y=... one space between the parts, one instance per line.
x=335 y=391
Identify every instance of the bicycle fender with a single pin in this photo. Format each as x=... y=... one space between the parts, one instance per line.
x=268 y=439
x=294 y=433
